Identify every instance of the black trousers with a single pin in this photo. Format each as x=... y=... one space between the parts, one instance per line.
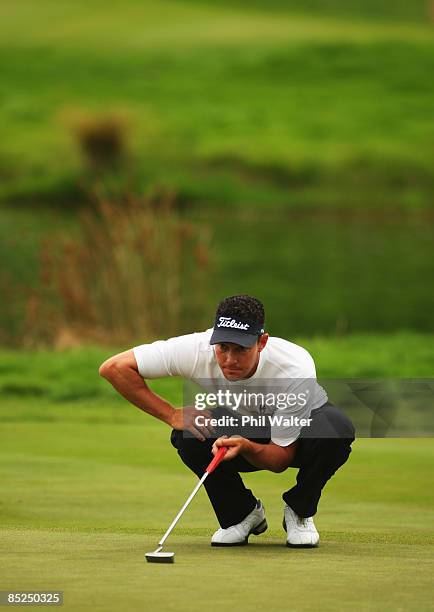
x=322 y=448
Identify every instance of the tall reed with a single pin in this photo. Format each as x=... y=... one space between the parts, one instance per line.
x=137 y=270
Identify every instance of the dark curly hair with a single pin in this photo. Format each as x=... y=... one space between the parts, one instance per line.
x=244 y=306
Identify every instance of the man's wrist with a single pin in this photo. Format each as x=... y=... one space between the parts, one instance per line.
x=171 y=420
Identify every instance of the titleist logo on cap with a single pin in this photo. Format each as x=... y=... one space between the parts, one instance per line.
x=228 y=322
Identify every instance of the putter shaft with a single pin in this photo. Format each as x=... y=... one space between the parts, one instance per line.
x=157 y=555
x=181 y=512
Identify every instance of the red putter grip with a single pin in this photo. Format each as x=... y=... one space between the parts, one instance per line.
x=217 y=459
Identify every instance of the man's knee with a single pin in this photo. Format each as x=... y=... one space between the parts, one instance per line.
x=174 y=438
x=190 y=449
x=335 y=450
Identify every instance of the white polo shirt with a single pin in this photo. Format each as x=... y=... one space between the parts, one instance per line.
x=284 y=368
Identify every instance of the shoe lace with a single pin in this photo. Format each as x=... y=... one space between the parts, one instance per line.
x=302 y=521
x=245 y=522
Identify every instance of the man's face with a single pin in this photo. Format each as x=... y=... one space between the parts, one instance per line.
x=237 y=362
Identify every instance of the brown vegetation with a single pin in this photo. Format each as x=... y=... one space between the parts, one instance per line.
x=101 y=138
x=136 y=271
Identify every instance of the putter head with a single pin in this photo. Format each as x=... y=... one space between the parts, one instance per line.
x=160 y=557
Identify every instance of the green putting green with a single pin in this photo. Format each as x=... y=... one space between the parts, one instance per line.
x=86 y=495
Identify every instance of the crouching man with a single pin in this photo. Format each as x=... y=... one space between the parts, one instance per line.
x=234 y=357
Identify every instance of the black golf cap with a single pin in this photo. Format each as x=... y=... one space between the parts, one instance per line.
x=240 y=320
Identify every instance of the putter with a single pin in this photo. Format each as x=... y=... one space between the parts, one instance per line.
x=169 y=557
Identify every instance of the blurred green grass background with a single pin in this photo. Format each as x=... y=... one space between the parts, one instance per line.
x=72 y=375
x=301 y=134
x=294 y=103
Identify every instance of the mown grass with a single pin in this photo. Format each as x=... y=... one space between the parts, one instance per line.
x=90 y=484
x=54 y=378
x=106 y=571
x=389 y=10
x=230 y=106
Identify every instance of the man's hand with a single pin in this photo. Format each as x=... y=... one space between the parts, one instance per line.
x=185 y=419
x=263 y=456
x=235 y=444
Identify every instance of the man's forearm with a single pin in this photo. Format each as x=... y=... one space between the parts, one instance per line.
x=131 y=385
x=268 y=456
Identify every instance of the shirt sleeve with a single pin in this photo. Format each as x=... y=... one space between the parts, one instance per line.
x=173 y=357
x=285 y=441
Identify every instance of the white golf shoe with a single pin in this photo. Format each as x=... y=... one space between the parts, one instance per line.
x=238 y=535
x=300 y=532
